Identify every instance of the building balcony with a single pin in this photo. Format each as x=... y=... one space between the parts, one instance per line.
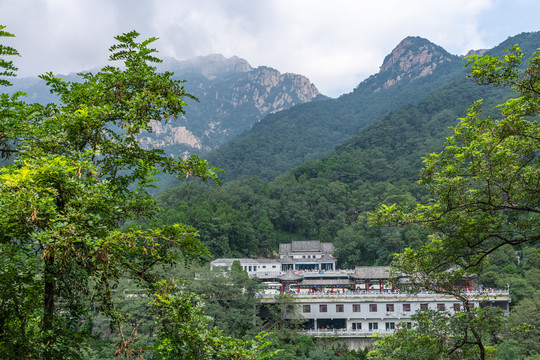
x=385 y=294
x=341 y=333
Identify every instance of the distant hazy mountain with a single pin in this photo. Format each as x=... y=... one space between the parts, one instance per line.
x=306 y=132
x=232 y=96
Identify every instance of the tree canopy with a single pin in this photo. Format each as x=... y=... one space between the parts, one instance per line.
x=77 y=172
x=484 y=185
x=485 y=182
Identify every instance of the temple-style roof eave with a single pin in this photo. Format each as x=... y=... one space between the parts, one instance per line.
x=290 y=276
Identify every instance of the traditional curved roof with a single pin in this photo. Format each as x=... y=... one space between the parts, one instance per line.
x=290 y=276
x=306 y=246
x=327 y=257
x=329 y=282
x=372 y=272
x=287 y=259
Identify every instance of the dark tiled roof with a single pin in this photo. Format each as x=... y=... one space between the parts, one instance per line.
x=327 y=257
x=287 y=260
x=322 y=282
x=306 y=246
x=372 y=272
x=284 y=248
x=290 y=276
x=314 y=245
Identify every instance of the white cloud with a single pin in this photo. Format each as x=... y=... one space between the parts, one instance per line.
x=336 y=44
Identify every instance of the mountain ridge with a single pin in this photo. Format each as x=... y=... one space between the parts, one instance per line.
x=414 y=57
x=308 y=131
x=233 y=96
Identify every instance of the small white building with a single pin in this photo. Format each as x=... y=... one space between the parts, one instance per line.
x=297 y=256
x=254 y=267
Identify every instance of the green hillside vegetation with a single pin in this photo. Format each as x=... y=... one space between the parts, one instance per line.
x=309 y=131
x=327 y=199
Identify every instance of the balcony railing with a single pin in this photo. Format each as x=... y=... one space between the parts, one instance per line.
x=385 y=294
x=263 y=274
x=347 y=332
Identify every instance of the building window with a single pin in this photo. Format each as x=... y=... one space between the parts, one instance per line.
x=406 y=307
x=409 y=325
x=457 y=307
x=441 y=307
x=264 y=266
x=306 y=308
x=373 y=326
x=323 y=308
x=339 y=307
x=357 y=326
x=389 y=307
x=372 y=307
x=273 y=266
x=390 y=326
x=356 y=307
x=423 y=306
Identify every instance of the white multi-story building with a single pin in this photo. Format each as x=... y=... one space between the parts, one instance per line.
x=350 y=303
x=367 y=313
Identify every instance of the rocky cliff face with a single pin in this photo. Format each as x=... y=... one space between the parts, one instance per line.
x=412 y=59
x=232 y=97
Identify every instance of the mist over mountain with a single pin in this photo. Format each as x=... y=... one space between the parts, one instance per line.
x=232 y=97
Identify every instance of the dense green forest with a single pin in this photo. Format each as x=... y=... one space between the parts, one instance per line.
x=328 y=199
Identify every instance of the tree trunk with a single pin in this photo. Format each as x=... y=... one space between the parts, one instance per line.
x=48 y=306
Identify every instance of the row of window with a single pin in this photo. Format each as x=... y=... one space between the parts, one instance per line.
x=254 y=267
x=375 y=325
x=373 y=307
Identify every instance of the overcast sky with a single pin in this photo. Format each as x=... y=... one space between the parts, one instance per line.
x=336 y=44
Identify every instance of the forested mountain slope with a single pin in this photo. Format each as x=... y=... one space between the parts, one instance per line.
x=328 y=199
x=287 y=139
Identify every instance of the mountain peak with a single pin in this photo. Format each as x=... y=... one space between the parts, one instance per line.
x=413 y=58
x=209 y=66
